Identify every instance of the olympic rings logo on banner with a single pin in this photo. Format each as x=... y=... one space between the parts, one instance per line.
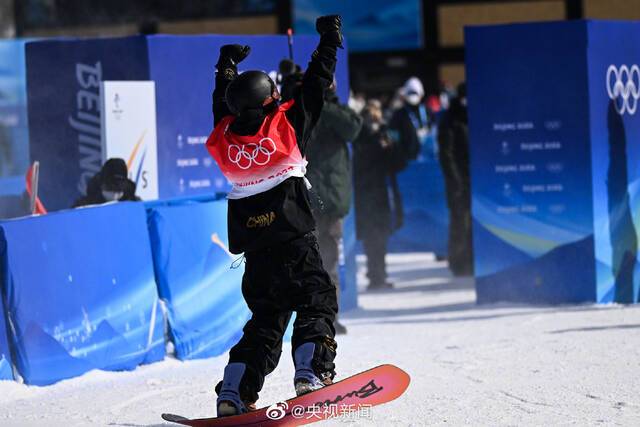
x=246 y=155
x=623 y=87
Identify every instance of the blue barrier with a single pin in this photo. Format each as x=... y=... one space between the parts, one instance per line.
x=6 y=372
x=80 y=292
x=195 y=278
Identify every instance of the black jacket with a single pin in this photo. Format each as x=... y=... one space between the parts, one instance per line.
x=94 y=193
x=329 y=170
x=372 y=172
x=286 y=205
x=404 y=126
x=453 y=150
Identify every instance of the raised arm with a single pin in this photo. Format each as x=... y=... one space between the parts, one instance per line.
x=226 y=70
x=319 y=74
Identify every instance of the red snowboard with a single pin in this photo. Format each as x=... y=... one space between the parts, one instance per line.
x=360 y=392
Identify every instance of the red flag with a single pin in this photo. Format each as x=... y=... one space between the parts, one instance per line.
x=39 y=207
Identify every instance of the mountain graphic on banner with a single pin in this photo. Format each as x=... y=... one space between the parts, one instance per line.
x=45 y=360
x=519 y=284
x=510 y=256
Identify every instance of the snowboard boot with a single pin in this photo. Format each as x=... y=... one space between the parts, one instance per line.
x=305 y=379
x=229 y=401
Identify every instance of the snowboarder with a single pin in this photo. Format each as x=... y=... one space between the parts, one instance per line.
x=259 y=145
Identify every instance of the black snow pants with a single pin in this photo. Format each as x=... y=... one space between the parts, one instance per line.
x=277 y=281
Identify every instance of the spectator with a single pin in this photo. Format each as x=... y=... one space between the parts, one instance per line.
x=373 y=173
x=109 y=185
x=453 y=142
x=409 y=124
x=330 y=175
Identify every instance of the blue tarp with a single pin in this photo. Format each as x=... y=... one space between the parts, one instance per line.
x=80 y=291
x=193 y=269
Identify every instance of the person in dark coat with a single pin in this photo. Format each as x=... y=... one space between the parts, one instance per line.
x=372 y=174
x=409 y=124
x=408 y=128
x=329 y=172
x=109 y=185
x=453 y=144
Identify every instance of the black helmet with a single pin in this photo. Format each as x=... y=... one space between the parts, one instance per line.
x=250 y=90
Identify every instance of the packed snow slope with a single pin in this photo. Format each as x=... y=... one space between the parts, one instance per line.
x=499 y=365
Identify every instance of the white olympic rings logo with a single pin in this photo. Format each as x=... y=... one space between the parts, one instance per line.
x=624 y=89
x=246 y=155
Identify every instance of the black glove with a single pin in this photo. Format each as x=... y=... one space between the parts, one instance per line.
x=330 y=29
x=233 y=54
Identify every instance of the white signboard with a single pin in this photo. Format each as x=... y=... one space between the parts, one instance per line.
x=129 y=131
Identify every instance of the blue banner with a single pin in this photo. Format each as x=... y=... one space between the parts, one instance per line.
x=196 y=279
x=80 y=292
x=614 y=92
x=554 y=177
x=424 y=202
x=530 y=162
x=65 y=118
x=183 y=69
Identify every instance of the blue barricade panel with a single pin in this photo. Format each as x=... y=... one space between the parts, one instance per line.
x=193 y=269
x=614 y=90
x=80 y=291
x=6 y=373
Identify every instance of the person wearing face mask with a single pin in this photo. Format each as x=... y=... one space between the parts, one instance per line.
x=453 y=142
x=259 y=145
x=111 y=184
x=409 y=124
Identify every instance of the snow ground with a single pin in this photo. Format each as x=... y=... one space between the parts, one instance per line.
x=470 y=365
